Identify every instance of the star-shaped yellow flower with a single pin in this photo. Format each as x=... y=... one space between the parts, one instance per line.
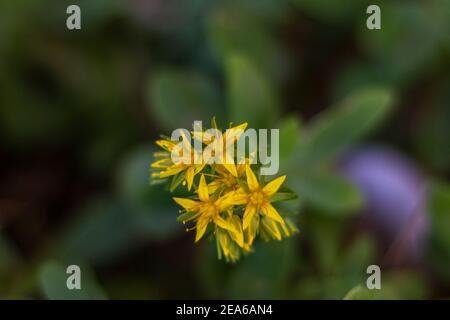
x=224 y=146
x=209 y=209
x=165 y=167
x=257 y=200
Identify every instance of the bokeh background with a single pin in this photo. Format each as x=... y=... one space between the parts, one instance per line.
x=365 y=127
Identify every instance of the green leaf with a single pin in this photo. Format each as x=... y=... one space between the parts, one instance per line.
x=177 y=98
x=232 y=30
x=335 y=129
x=350 y=268
x=283 y=196
x=251 y=97
x=284 y=193
x=325 y=234
x=360 y=254
x=101 y=231
x=150 y=208
x=289 y=135
x=53 y=282
x=176 y=180
x=288 y=208
x=395 y=45
x=362 y=293
x=186 y=215
x=263 y=274
x=406 y=285
x=328 y=192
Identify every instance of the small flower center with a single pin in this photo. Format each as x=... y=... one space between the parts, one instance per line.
x=210 y=209
x=256 y=198
x=230 y=181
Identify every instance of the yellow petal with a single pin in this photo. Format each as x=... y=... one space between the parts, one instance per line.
x=213 y=186
x=166 y=144
x=172 y=170
x=203 y=190
x=271 y=213
x=251 y=231
x=161 y=154
x=251 y=179
x=234 y=198
x=225 y=201
x=155 y=175
x=240 y=127
x=236 y=132
x=240 y=169
x=162 y=163
x=286 y=231
x=231 y=167
x=271 y=228
x=248 y=215
x=199 y=168
x=201 y=228
x=223 y=223
x=221 y=170
x=224 y=241
x=187 y=204
x=190 y=177
x=238 y=235
x=273 y=186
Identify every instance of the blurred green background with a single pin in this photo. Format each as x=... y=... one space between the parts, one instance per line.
x=365 y=127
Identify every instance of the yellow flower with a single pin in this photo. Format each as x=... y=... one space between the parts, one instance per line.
x=165 y=167
x=257 y=200
x=224 y=179
x=224 y=146
x=209 y=209
x=228 y=244
x=270 y=229
x=235 y=207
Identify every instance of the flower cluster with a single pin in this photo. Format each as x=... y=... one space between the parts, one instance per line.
x=230 y=201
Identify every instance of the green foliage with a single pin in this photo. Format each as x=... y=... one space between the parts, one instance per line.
x=290 y=131
x=53 y=279
x=396 y=46
x=101 y=231
x=328 y=192
x=362 y=293
x=178 y=98
x=151 y=209
x=235 y=30
x=250 y=96
x=395 y=286
x=337 y=128
x=263 y=274
x=328 y=136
